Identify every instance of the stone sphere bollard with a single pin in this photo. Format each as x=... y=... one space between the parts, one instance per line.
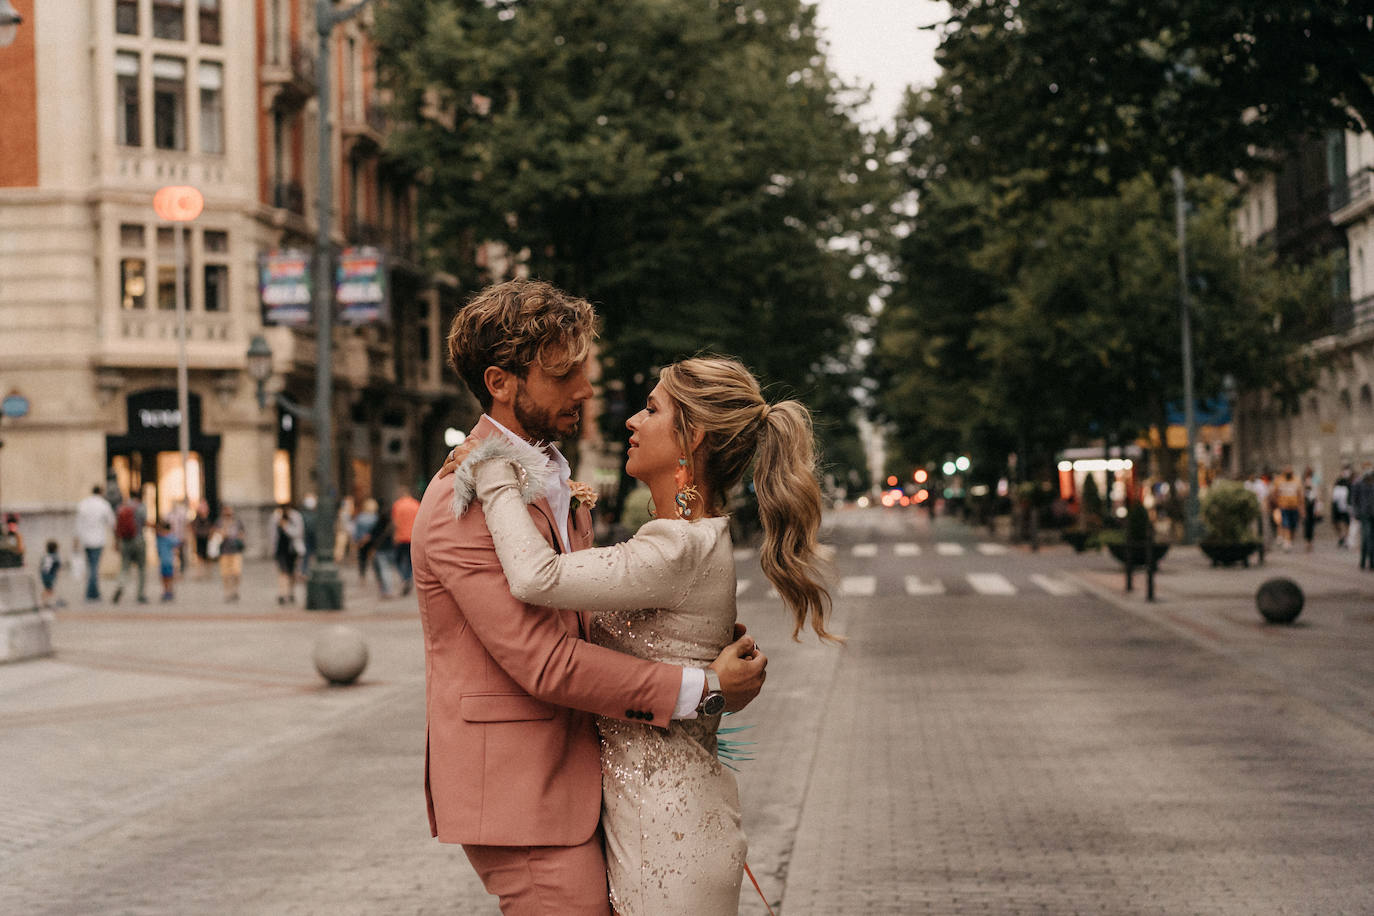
x=340 y=654
x=1279 y=600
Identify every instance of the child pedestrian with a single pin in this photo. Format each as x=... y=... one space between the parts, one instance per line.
x=167 y=544
x=47 y=571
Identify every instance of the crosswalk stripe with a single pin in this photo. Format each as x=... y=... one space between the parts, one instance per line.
x=991 y=584
x=915 y=587
x=907 y=550
x=1057 y=587
x=992 y=550
x=741 y=587
x=865 y=550
x=858 y=586
x=949 y=550
x=743 y=553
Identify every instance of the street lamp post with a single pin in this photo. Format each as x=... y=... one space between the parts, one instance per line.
x=324 y=590
x=1190 y=518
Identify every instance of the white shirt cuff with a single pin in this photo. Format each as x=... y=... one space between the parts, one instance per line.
x=689 y=696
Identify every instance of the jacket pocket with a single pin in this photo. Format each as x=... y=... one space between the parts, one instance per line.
x=503 y=707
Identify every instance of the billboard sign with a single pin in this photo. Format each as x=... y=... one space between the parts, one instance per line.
x=284 y=283
x=361 y=286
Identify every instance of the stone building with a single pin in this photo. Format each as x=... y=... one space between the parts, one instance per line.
x=106 y=101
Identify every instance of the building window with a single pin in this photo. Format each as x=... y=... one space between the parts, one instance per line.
x=276 y=46
x=209 y=22
x=169 y=19
x=169 y=103
x=216 y=245
x=126 y=93
x=133 y=283
x=211 y=77
x=126 y=17
x=166 y=267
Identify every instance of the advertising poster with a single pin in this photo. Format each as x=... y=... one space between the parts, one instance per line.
x=361 y=287
x=284 y=284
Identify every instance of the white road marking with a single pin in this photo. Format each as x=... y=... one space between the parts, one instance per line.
x=865 y=550
x=991 y=584
x=1057 y=587
x=916 y=588
x=742 y=586
x=992 y=550
x=949 y=550
x=743 y=553
x=858 y=586
x=907 y=550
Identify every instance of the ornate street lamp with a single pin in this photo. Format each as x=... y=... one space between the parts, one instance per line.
x=260 y=366
x=10 y=20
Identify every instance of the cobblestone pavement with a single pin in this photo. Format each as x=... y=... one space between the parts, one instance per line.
x=964 y=753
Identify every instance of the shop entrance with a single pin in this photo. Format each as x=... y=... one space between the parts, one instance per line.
x=148 y=459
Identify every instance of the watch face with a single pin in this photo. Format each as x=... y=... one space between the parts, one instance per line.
x=714 y=704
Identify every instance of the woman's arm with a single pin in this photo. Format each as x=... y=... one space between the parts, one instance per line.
x=653 y=569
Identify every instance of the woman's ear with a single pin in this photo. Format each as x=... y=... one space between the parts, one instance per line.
x=694 y=439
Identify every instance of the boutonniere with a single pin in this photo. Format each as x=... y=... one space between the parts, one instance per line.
x=582 y=495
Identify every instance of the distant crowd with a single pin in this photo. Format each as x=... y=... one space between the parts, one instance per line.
x=195 y=543
x=1291 y=504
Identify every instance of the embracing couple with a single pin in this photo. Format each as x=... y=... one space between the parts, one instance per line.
x=573 y=694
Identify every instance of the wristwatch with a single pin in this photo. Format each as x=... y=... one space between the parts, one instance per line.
x=713 y=704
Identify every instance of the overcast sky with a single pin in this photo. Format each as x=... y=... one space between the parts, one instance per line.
x=881 y=42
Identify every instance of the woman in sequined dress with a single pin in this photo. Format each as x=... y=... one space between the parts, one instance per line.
x=670 y=810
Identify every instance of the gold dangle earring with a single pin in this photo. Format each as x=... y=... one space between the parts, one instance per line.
x=685 y=491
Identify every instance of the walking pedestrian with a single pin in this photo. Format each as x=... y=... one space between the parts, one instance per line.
x=11 y=543
x=364 y=523
x=343 y=531
x=403 y=512
x=1288 y=499
x=230 y=533
x=1311 y=506
x=167 y=546
x=288 y=545
x=94 y=523
x=47 y=572
x=311 y=518
x=1362 y=508
x=383 y=545
x=178 y=520
x=1340 y=507
x=130 y=521
x=202 y=526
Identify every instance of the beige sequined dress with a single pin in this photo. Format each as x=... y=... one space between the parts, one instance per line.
x=670 y=810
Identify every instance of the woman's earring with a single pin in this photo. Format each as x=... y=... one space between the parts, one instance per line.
x=685 y=492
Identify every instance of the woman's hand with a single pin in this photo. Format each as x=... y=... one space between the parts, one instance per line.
x=457 y=457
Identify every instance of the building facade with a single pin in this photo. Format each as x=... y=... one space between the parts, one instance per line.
x=114 y=99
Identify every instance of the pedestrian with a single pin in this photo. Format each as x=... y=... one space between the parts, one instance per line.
x=1258 y=486
x=1311 y=506
x=202 y=526
x=228 y=539
x=94 y=523
x=47 y=572
x=288 y=545
x=1340 y=507
x=130 y=521
x=343 y=531
x=1362 y=507
x=11 y=543
x=167 y=545
x=311 y=517
x=363 y=525
x=383 y=546
x=1288 y=500
x=178 y=518
x=403 y=512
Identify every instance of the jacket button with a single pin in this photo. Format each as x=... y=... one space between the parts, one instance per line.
x=630 y=714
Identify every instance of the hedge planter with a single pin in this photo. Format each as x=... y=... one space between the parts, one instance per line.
x=1229 y=553
x=1135 y=552
x=1078 y=540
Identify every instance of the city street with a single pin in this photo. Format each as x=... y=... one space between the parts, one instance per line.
x=1005 y=732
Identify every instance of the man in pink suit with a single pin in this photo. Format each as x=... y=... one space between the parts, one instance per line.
x=513 y=764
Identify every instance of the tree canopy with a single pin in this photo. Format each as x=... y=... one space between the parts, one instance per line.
x=694 y=168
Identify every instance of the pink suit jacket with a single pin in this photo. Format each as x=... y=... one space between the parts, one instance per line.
x=511 y=754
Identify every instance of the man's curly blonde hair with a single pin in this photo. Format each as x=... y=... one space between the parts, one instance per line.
x=513 y=326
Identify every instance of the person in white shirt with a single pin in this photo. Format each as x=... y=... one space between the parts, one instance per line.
x=94 y=523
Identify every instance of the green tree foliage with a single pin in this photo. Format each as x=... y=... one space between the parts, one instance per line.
x=694 y=168
x=1090 y=94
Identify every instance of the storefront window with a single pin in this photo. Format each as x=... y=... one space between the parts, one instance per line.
x=281 y=476
x=171 y=483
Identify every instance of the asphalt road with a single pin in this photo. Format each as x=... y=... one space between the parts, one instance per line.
x=995 y=738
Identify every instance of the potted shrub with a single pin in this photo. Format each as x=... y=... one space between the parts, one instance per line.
x=1131 y=544
x=1229 y=514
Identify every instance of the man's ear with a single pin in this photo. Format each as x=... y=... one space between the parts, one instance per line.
x=501 y=384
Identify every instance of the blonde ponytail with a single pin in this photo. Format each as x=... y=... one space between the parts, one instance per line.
x=789 y=499
x=721 y=399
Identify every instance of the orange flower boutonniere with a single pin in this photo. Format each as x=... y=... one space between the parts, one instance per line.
x=582 y=495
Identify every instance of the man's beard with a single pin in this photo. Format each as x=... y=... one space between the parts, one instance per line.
x=538 y=423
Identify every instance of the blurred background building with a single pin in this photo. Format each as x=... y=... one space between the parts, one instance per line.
x=106 y=101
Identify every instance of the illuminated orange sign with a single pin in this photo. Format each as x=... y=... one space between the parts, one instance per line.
x=178 y=203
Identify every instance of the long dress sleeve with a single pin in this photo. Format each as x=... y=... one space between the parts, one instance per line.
x=654 y=569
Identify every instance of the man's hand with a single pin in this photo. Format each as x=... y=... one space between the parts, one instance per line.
x=456 y=457
x=741 y=669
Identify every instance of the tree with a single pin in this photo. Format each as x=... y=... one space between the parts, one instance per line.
x=693 y=168
x=1091 y=94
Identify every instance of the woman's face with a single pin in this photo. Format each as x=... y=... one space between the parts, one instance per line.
x=654 y=448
